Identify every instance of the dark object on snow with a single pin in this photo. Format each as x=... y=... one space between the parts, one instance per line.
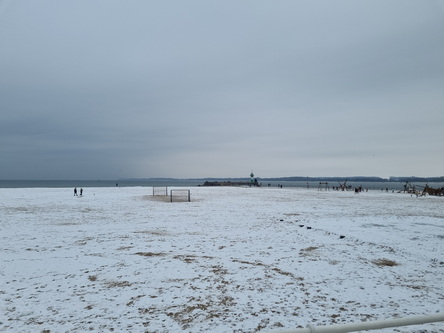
x=341 y=237
x=308 y=227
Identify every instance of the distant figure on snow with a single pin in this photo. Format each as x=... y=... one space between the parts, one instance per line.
x=75 y=191
x=81 y=191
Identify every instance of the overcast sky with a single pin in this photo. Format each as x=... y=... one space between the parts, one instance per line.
x=190 y=89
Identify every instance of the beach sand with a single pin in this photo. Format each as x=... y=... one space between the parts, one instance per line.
x=231 y=260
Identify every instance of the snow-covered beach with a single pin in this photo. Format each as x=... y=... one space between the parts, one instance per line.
x=231 y=260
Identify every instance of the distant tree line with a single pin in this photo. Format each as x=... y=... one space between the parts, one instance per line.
x=417 y=179
x=328 y=179
x=359 y=179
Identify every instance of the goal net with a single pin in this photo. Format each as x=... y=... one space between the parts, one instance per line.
x=180 y=195
x=160 y=190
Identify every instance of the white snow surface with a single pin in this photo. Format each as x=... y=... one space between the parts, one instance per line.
x=232 y=260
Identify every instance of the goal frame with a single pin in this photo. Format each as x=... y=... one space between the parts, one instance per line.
x=187 y=196
x=160 y=190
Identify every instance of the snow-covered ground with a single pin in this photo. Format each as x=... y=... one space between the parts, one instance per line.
x=231 y=260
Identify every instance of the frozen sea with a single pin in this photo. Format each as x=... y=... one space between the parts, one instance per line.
x=119 y=259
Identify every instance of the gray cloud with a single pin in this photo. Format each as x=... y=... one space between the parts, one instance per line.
x=95 y=89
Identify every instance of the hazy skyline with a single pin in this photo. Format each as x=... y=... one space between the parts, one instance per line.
x=194 y=89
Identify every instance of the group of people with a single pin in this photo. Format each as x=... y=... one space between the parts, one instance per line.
x=75 y=191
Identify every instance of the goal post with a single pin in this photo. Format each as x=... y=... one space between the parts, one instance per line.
x=180 y=195
x=160 y=190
